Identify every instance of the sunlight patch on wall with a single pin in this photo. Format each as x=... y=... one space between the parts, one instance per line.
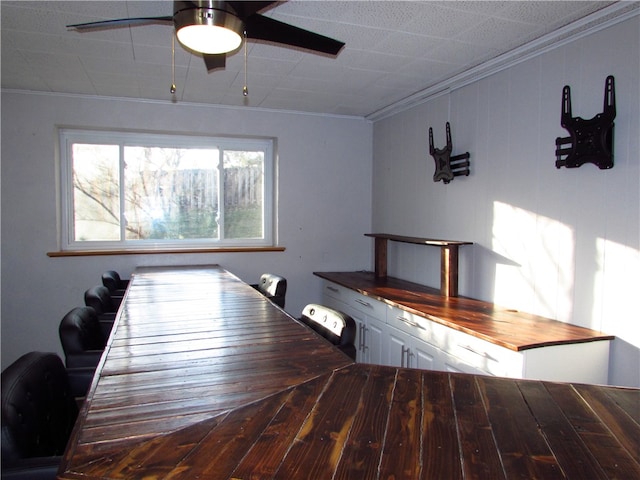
x=537 y=273
x=616 y=290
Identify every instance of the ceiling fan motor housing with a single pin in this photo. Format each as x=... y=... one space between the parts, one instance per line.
x=197 y=22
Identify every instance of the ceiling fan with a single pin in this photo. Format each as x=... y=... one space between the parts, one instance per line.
x=215 y=28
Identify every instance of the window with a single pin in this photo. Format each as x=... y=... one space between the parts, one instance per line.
x=128 y=190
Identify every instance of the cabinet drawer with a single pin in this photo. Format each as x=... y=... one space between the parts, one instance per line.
x=362 y=303
x=483 y=355
x=332 y=290
x=454 y=364
x=414 y=325
x=466 y=352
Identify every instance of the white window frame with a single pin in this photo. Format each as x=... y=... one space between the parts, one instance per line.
x=67 y=137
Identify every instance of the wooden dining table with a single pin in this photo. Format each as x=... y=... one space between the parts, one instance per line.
x=205 y=378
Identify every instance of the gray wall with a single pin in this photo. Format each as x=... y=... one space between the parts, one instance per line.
x=324 y=204
x=559 y=243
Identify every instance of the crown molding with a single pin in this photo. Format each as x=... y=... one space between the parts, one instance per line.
x=600 y=20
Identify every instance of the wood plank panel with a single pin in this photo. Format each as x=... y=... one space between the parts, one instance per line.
x=441 y=450
x=568 y=448
x=523 y=450
x=265 y=455
x=317 y=448
x=627 y=400
x=158 y=379
x=625 y=428
x=602 y=443
x=480 y=457
x=363 y=449
x=240 y=390
x=401 y=451
x=154 y=458
x=224 y=447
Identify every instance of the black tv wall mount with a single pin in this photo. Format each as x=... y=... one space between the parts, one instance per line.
x=447 y=166
x=590 y=141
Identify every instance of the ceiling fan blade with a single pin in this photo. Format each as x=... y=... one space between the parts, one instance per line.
x=244 y=9
x=121 y=22
x=265 y=28
x=213 y=62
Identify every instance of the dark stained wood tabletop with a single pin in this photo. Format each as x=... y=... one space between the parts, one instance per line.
x=203 y=378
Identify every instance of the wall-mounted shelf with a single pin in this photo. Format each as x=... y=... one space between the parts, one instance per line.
x=448 y=258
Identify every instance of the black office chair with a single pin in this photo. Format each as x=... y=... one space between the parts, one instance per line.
x=116 y=286
x=273 y=287
x=99 y=298
x=333 y=325
x=104 y=304
x=38 y=414
x=83 y=340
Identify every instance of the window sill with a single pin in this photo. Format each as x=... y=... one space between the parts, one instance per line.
x=91 y=253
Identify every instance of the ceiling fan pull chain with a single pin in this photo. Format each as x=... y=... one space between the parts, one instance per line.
x=173 y=64
x=245 y=89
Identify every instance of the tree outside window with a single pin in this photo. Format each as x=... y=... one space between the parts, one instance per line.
x=143 y=193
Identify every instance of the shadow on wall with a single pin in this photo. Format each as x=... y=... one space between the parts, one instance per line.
x=489 y=276
x=482 y=283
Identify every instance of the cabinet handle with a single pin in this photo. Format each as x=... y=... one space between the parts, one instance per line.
x=481 y=354
x=333 y=289
x=363 y=303
x=409 y=355
x=361 y=337
x=411 y=323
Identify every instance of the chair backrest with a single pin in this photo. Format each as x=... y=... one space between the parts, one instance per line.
x=99 y=299
x=80 y=331
x=111 y=279
x=38 y=408
x=274 y=287
x=337 y=327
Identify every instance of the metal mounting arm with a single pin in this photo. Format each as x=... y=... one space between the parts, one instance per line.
x=447 y=166
x=590 y=141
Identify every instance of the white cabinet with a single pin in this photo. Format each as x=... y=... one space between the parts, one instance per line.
x=451 y=350
x=404 y=350
x=424 y=356
x=370 y=317
x=389 y=335
x=397 y=348
x=454 y=350
x=374 y=340
x=449 y=363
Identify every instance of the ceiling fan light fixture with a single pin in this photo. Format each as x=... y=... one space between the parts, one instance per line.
x=208 y=30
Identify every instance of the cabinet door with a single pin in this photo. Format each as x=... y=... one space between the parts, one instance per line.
x=425 y=356
x=370 y=317
x=375 y=341
x=361 y=336
x=405 y=350
x=365 y=336
x=361 y=325
x=396 y=348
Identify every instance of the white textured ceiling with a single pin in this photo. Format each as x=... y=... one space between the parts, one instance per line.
x=394 y=50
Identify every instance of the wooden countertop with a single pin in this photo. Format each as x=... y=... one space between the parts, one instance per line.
x=508 y=328
x=203 y=378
